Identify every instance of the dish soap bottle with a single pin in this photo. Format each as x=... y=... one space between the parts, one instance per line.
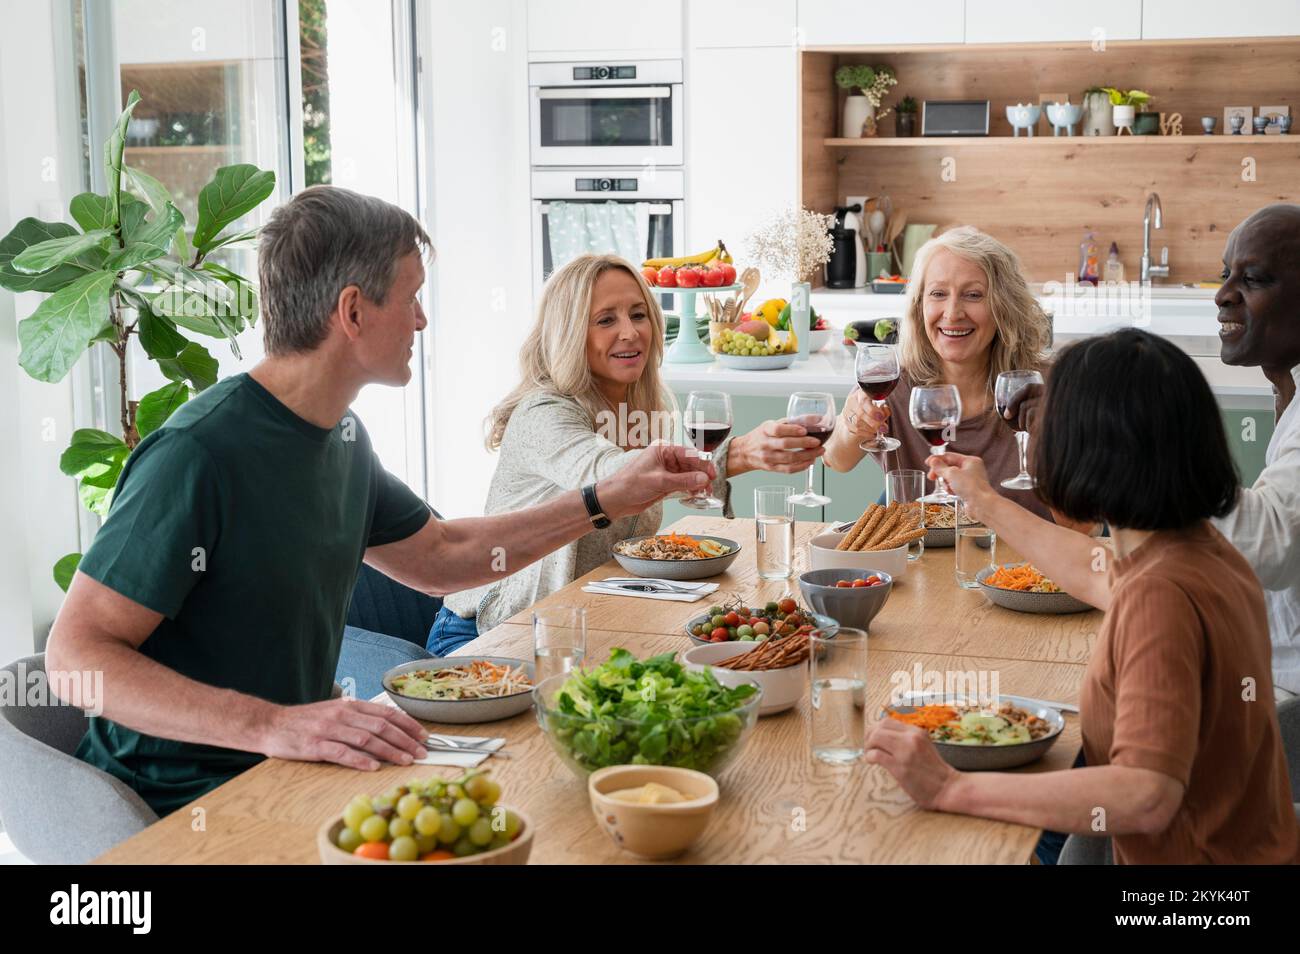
x=1089 y=260
x=1114 y=270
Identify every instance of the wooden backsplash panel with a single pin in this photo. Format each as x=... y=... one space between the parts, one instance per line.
x=1039 y=200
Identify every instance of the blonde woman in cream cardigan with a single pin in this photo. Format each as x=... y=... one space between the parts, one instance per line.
x=590 y=397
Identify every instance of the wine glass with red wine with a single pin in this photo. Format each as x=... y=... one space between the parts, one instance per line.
x=1009 y=384
x=815 y=412
x=877 y=369
x=935 y=413
x=707 y=422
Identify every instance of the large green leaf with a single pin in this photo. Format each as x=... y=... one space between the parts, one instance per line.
x=244 y=300
x=159 y=231
x=201 y=303
x=31 y=232
x=230 y=239
x=194 y=364
x=65 y=569
x=92 y=211
x=113 y=150
x=159 y=337
x=156 y=406
x=62 y=326
x=135 y=254
x=96 y=499
x=91 y=447
x=43 y=256
x=154 y=192
x=233 y=191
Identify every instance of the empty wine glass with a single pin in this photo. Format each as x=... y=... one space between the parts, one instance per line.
x=815 y=412
x=706 y=422
x=1009 y=384
x=935 y=413
x=876 y=366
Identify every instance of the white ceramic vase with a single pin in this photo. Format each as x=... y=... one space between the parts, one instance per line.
x=856 y=111
x=1098 y=117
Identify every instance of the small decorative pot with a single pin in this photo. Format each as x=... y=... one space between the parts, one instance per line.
x=856 y=110
x=1146 y=124
x=1207 y=123
x=1097 y=117
x=1261 y=125
x=1236 y=122
x=905 y=124
x=1123 y=117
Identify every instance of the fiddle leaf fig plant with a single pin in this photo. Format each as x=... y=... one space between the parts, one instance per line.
x=133 y=268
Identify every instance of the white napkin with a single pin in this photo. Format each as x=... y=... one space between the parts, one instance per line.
x=458 y=760
x=697 y=591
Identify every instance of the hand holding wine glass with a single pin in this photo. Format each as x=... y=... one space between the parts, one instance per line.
x=707 y=422
x=877 y=369
x=814 y=411
x=1008 y=391
x=935 y=413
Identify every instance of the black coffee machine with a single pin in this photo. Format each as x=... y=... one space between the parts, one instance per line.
x=847 y=267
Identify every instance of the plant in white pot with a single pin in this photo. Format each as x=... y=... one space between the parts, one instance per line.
x=793 y=244
x=860 y=117
x=135 y=269
x=1124 y=106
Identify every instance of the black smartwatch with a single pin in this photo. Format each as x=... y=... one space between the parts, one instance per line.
x=598 y=518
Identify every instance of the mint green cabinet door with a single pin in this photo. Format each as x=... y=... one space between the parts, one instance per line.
x=1249 y=432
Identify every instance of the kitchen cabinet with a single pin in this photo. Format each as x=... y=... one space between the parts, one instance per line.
x=742 y=142
x=615 y=27
x=740 y=23
x=1041 y=21
x=1179 y=19
x=852 y=22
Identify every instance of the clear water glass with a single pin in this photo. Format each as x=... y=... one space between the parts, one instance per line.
x=837 y=718
x=774 y=532
x=907 y=488
x=976 y=548
x=559 y=640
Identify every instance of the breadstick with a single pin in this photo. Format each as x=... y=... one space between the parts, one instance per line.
x=855 y=529
x=877 y=514
x=900 y=539
x=886 y=528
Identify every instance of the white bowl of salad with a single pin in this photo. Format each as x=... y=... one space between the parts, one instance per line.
x=461 y=689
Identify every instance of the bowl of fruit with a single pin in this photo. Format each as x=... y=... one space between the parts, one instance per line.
x=755 y=346
x=454 y=822
x=711 y=269
x=737 y=621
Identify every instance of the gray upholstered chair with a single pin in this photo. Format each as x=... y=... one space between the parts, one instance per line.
x=55 y=807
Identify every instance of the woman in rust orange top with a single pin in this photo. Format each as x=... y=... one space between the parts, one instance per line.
x=1184 y=755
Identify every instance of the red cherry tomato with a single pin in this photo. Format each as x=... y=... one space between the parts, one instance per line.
x=667 y=277
x=858 y=584
x=732 y=618
x=378 y=850
x=787 y=605
x=842 y=584
x=719 y=634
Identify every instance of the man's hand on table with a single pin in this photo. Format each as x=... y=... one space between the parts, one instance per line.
x=907 y=753
x=359 y=735
x=662 y=469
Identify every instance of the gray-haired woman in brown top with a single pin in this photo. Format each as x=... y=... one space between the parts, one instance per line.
x=969 y=316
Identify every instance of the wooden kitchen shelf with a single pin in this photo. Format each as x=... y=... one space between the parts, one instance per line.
x=1155 y=142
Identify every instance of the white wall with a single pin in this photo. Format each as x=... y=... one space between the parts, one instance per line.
x=38 y=505
x=474 y=91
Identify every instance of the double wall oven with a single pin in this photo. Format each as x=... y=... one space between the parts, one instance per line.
x=606 y=154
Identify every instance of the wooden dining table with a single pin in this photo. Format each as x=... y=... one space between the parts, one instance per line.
x=777 y=805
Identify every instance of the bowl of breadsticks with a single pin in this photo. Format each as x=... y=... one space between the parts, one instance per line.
x=878 y=540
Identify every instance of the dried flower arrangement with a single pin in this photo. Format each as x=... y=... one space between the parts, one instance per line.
x=793 y=243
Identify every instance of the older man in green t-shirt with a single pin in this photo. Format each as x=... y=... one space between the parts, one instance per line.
x=213 y=598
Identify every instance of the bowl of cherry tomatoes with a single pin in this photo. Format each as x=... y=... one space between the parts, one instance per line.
x=742 y=622
x=852 y=596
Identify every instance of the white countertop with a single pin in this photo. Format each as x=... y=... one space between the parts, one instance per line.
x=831 y=369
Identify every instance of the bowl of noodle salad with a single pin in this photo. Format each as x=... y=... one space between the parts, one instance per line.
x=461 y=689
x=676 y=556
x=1008 y=732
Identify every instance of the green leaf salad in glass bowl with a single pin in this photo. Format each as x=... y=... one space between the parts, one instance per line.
x=645 y=712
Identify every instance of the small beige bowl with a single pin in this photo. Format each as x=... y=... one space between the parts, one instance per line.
x=653 y=831
x=515 y=853
x=822 y=555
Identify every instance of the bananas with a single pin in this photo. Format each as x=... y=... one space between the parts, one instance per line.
x=700 y=258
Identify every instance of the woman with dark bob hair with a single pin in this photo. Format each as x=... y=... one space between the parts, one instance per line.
x=1184 y=755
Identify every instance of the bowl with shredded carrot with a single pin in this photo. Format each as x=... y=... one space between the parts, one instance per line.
x=461 y=690
x=676 y=556
x=1005 y=733
x=1023 y=588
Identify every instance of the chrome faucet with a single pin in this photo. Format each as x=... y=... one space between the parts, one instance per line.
x=1150 y=271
